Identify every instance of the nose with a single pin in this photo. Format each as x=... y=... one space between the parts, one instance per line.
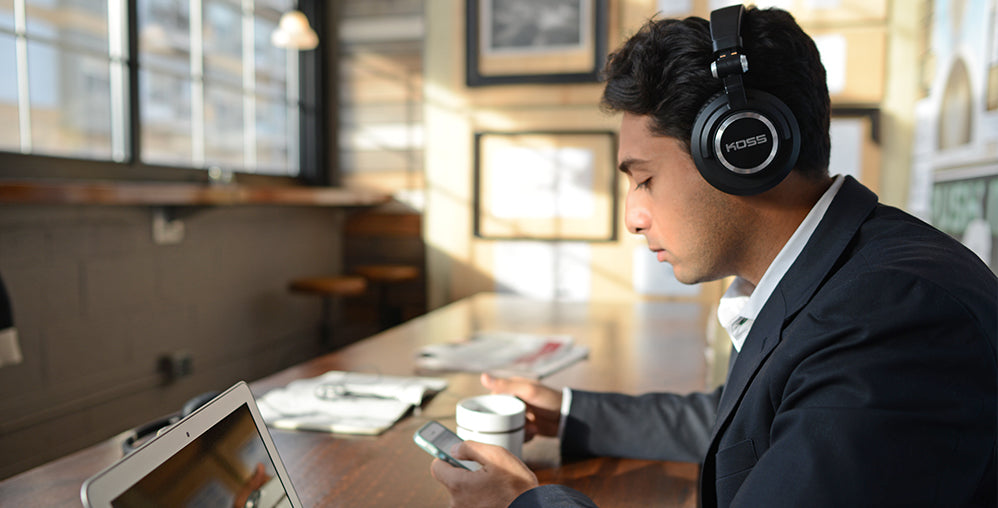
x=637 y=218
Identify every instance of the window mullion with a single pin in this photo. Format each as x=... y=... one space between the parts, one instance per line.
x=116 y=31
x=23 y=94
x=249 y=86
x=293 y=106
x=197 y=83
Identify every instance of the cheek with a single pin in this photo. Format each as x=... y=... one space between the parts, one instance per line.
x=693 y=220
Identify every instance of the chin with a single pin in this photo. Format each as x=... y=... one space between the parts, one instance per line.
x=689 y=278
x=684 y=277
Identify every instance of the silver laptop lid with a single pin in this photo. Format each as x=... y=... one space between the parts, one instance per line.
x=220 y=455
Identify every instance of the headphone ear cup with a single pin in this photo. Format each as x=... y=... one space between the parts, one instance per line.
x=712 y=131
x=700 y=138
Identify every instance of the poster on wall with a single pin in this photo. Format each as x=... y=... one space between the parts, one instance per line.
x=955 y=173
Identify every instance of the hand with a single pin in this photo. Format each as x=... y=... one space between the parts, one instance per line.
x=543 y=403
x=502 y=478
x=253 y=483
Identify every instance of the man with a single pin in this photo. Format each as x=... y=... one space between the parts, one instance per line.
x=864 y=365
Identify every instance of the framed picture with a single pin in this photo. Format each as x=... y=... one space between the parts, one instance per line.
x=535 y=41
x=856 y=150
x=559 y=186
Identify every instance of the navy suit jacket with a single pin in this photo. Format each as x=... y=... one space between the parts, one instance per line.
x=869 y=378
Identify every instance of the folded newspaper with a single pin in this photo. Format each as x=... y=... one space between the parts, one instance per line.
x=504 y=354
x=345 y=402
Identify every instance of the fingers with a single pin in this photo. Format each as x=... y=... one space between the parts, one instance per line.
x=445 y=473
x=525 y=389
x=502 y=478
x=529 y=430
x=543 y=403
x=503 y=385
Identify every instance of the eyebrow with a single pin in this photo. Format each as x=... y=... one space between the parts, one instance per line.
x=626 y=164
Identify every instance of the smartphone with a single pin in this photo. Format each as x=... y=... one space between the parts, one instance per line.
x=437 y=440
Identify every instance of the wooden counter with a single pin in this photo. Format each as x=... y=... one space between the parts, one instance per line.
x=634 y=347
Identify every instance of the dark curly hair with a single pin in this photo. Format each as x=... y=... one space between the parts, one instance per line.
x=662 y=71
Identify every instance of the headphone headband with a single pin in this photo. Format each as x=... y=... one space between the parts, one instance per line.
x=730 y=61
x=726 y=28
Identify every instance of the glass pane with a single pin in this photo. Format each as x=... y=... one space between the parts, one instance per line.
x=277 y=6
x=166 y=118
x=164 y=28
x=69 y=23
x=271 y=61
x=178 y=65
x=7 y=15
x=10 y=136
x=223 y=42
x=70 y=96
x=223 y=122
x=272 y=137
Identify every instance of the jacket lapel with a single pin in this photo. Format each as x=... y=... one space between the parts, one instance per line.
x=851 y=206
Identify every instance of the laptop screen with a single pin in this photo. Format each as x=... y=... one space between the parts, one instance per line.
x=227 y=466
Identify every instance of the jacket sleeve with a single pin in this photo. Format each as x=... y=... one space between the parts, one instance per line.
x=656 y=426
x=552 y=496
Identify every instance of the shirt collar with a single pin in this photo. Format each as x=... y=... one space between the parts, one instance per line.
x=741 y=304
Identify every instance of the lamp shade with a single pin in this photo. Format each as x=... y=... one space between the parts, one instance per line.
x=294 y=32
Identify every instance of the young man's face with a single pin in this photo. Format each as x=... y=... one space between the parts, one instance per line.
x=687 y=222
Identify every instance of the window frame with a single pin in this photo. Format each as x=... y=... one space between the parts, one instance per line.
x=313 y=152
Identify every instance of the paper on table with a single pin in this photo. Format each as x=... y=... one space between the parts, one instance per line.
x=345 y=402
x=504 y=354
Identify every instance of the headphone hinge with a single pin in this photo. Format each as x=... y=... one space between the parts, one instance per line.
x=734 y=88
x=731 y=62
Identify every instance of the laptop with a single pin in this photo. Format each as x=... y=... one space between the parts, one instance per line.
x=219 y=455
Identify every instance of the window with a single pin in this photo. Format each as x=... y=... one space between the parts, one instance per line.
x=56 y=97
x=206 y=89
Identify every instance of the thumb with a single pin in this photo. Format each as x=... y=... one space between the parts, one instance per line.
x=474 y=450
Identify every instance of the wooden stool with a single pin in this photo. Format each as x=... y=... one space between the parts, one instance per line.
x=381 y=276
x=330 y=288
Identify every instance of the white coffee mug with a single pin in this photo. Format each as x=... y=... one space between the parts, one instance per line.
x=493 y=419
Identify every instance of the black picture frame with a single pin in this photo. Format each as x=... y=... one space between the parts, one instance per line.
x=497 y=53
x=563 y=197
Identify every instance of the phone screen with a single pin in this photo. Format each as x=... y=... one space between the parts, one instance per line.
x=437 y=440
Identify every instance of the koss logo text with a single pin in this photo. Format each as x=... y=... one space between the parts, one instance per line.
x=734 y=146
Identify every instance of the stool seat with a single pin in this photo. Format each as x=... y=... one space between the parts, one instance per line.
x=337 y=285
x=330 y=289
x=381 y=277
x=388 y=273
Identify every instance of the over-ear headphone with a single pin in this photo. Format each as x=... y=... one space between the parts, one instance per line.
x=744 y=141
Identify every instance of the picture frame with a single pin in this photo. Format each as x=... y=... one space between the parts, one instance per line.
x=507 y=44
x=546 y=186
x=856 y=148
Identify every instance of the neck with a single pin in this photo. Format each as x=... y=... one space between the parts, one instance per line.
x=776 y=214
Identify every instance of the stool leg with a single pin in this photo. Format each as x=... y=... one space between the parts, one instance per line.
x=388 y=315
x=326 y=323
